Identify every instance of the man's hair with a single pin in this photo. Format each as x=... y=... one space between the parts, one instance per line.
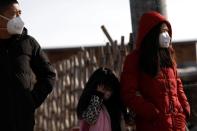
x=5 y=3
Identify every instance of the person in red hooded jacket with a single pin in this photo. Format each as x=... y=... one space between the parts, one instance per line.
x=150 y=86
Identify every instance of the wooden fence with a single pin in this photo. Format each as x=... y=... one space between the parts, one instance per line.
x=58 y=112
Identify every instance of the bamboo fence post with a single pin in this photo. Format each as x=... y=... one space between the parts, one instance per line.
x=107 y=34
x=131 y=45
x=108 y=54
x=102 y=60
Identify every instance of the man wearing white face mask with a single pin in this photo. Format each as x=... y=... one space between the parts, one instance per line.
x=150 y=70
x=15 y=25
x=26 y=75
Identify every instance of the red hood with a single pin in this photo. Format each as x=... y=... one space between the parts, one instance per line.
x=147 y=22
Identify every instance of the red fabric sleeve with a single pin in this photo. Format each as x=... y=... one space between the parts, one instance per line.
x=129 y=87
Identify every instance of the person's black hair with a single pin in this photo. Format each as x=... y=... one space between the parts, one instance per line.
x=6 y=3
x=152 y=57
x=103 y=76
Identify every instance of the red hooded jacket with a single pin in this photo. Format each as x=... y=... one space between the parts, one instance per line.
x=160 y=103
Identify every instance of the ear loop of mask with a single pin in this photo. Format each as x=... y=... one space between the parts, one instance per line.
x=4 y=18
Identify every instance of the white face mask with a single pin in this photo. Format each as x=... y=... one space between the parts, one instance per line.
x=164 y=40
x=14 y=25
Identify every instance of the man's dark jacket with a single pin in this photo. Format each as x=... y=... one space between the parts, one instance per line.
x=26 y=78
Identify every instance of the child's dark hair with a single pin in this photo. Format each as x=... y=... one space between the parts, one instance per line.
x=5 y=3
x=103 y=76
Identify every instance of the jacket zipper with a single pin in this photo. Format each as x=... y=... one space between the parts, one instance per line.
x=167 y=87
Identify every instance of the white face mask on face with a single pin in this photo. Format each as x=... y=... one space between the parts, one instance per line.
x=14 y=25
x=164 y=40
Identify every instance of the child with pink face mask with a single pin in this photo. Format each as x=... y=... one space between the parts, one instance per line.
x=100 y=107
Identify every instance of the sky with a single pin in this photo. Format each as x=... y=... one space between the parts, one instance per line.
x=77 y=23
x=183 y=19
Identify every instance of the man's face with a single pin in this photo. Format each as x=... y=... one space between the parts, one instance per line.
x=11 y=11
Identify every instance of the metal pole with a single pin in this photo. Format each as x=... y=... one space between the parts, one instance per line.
x=138 y=7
